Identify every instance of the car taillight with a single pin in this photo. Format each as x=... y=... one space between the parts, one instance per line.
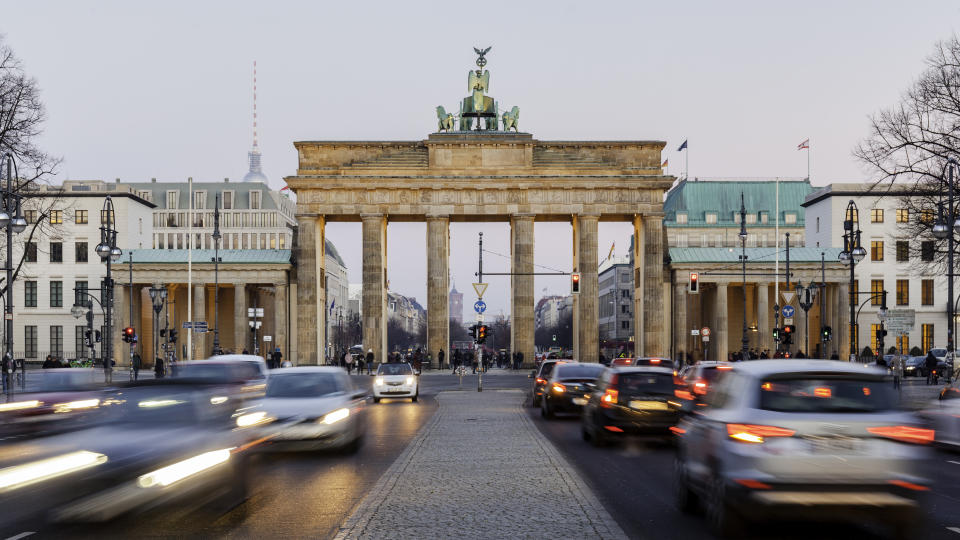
x=683 y=394
x=905 y=433
x=610 y=396
x=558 y=388
x=541 y=380
x=654 y=360
x=700 y=387
x=751 y=433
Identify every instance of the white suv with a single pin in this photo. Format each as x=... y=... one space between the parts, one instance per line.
x=395 y=381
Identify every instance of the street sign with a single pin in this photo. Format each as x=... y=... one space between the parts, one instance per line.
x=255 y=312
x=480 y=288
x=198 y=326
x=788 y=311
x=479 y=306
x=787 y=296
x=900 y=321
x=788 y=320
x=706 y=339
x=695 y=332
x=705 y=331
x=268 y=338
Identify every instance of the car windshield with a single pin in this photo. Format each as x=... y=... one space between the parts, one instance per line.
x=825 y=395
x=633 y=384
x=226 y=372
x=547 y=369
x=62 y=381
x=939 y=352
x=298 y=385
x=573 y=371
x=658 y=362
x=395 y=369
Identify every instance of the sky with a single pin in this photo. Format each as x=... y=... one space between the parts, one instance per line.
x=140 y=90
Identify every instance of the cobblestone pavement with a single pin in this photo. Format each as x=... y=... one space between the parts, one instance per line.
x=480 y=469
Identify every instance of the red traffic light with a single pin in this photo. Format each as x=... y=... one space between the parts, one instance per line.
x=128 y=331
x=575 y=282
x=694 y=282
x=789 y=329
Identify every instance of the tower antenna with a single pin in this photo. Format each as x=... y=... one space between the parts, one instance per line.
x=254 y=103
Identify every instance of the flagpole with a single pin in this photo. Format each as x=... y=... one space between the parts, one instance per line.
x=686 y=165
x=808 y=160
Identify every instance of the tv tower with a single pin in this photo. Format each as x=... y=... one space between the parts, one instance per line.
x=254 y=174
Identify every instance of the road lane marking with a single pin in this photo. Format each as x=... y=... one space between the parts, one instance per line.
x=954 y=529
x=954 y=462
x=21 y=535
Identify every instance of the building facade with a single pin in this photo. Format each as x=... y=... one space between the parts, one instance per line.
x=616 y=304
x=456 y=305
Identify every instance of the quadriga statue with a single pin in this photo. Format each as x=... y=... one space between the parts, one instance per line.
x=510 y=119
x=446 y=120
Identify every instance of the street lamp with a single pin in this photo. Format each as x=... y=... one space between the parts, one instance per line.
x=158 y=295
x=254 y=314
x=109 y=252
x=745 y=341
x=942 y=230
x=852 y=254
x=14 y=224
x=216 y=275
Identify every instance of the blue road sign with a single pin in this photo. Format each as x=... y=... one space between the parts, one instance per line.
x=787 y=311
x=479 y=306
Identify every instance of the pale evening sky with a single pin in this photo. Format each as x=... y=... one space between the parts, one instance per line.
x=136 y=90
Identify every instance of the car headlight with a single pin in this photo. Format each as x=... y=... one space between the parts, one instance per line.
x=18 y=405
x=378 y=381
x=45 y=469
x=409 y=380
x=180 y=470
x=252 y=419
x=335 y=416
x=74 y=405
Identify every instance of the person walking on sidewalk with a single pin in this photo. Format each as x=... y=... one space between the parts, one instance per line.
x=158 y=370
x=369 y=360
x=136 y=363
x=440 y=356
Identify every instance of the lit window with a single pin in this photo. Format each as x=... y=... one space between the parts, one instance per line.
x=926 y=331
x=80 y=217
x=903 y=292
x=876 y=250
x=903 y=215
x=876 y=292
x=876 y=215
x=56 y=217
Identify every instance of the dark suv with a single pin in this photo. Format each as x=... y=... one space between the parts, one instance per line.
x=569 y=387
x=540 y=376
x=631 y=401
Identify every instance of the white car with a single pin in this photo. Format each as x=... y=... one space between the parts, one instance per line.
x=395 y=381
x=313 y=408
x=944 y=417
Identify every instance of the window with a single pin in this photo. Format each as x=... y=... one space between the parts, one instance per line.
x=273 y=242
x=108 y=214
x=874 y=342
x=56 y=252
x=903 y=215
x=30 y=341
x=711 y=217
x=227 y=200
x=31 y=252
x=79 y=347
x=255 y=200
x=81 y=251
x=926 y=292
x=56 y=341
x=80 y=217
x=172 y=197
x=926 y=250
x=80 y=293
x=681 y=218
x=764 y=217
x=790 y=218
x=56 y=294
x=199 y=200
x=927 y=216
x=623 y=308
x=56 y=217
x=30 y=294
x=145 y=194
x=876 y=250
x=903 y=251
x=283 y=241
x=926 y=336
x=903 y=344
x=818 y=224
x=30 y=216
x=876 y=215
x=625 y=325
x=903 y=292
x=876 y=292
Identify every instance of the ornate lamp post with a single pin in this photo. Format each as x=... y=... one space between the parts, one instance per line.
x=159 y=296
x=216 y=275
x=745 y=341
x=942 y=230
x=11 y=219
x=109 y=252
x=852 y=254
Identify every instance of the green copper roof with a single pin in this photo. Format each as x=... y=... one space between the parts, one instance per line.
x=754 y=255
x=227 y=256
x=696 y=198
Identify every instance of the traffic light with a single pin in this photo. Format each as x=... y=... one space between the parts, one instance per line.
x=788 y=331
x=173 y=335
x=473 y=331
x=776 y=334
x=694 y=283
x=129 y=335
x=97 y=336
x=827 y=333
x=88 y=337
x=575 y=283
x=481 y=333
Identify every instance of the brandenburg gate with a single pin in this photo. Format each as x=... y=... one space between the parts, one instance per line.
x=480 y=173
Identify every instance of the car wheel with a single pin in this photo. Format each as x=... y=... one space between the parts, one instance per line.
x=597 y=436
x=684 y=497
x=545 y=409
x=376 y=399
x=722 y=518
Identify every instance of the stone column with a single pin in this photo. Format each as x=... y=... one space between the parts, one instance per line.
x=121 y=319
x=764 y=328
x=521 y=305
x=280 y=325
x=200 y=350
x=588 y=332
x=681 y=328
x=241 y=326
x=653 y=305
x=375 y=285
x=638 y=289
x=841 y=331
x=438 y=286
x=722 y=330
x=311 y=279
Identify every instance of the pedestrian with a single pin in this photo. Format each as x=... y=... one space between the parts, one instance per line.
x=349 y=365
x=48 y=363
x=245 y=351
x=440 y=356
x=277 y=357
x=519 y=359
x=897 y=370
x=834 y=356
x=369 y=359
x=158 y=369
x=6 y=365
x=135 y=363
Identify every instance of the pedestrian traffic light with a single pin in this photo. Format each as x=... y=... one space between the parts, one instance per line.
x=473 y=331
x=575 y=283
x=827 y=333
x=481 y=333
x=173 y=335
x=129 y=335
x=694 y=283
x=776 y=334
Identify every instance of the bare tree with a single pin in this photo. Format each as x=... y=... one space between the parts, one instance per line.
x=909 y=145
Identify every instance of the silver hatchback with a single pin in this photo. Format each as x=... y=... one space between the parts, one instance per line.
x=802 y=438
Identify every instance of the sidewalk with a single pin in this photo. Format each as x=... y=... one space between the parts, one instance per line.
x=492 y=372
x=480 y=469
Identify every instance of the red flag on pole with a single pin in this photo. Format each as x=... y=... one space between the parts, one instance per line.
x=804 y=144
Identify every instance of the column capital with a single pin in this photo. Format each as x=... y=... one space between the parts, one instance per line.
x=366 y=217
x=436 y=217
x=523 y=216
x=588 y=216
x=651 y=215
x=307 y=217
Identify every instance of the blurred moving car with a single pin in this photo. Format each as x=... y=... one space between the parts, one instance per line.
x=160 y=442
x=395 y=380
x=631 y=401
x=540 y=376
x=944 y=417
x=238 y=373
x=568 y=388
x=66 y=399
x=802 y=438
x=643 y=361
x=700 y=378
x=314 y=408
